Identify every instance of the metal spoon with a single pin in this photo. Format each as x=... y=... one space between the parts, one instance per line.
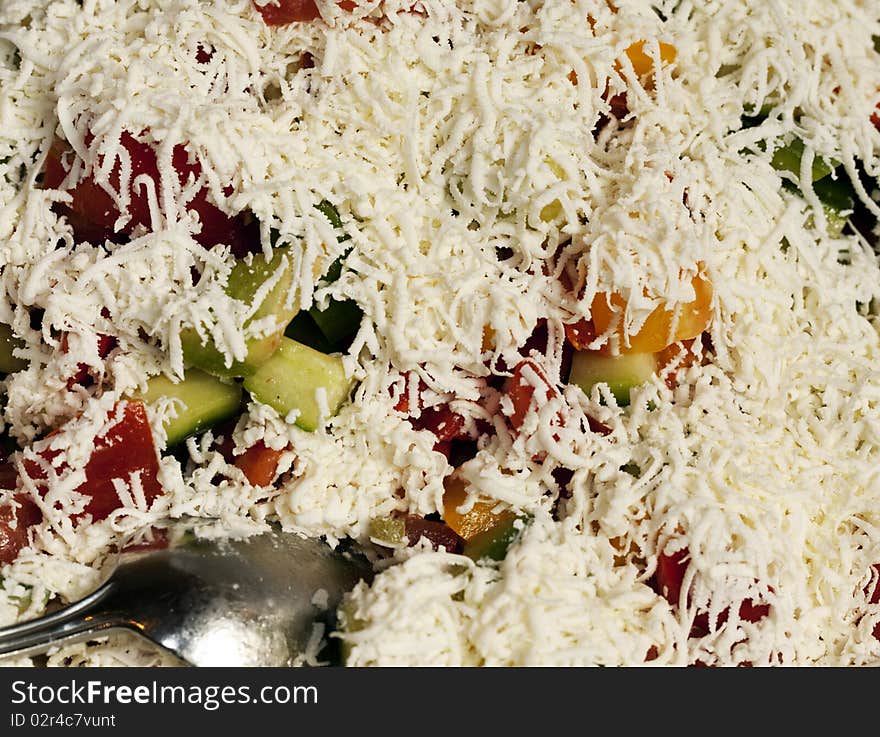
x=211 y=602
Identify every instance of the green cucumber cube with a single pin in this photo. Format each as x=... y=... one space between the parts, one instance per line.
x=621 y=373
x=244 y=282
x=302 y=380
x=206 y=401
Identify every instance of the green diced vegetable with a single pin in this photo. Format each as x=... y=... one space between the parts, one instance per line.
x=391 y=530
x=294 y=378
x=837 y=197
x=339 y=321
x=9 y=363
x=621 y=373
x=303 y=329
x=788 y=158
x=332 y=214
x=495 y=543
x=244 y=282
x=206 y=401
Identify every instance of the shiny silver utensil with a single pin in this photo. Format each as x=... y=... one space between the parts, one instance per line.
x=211 y=602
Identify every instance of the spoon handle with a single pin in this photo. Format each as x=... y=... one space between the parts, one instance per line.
x=74 y=623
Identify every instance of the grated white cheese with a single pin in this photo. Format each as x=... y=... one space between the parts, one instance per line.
x=457 y=143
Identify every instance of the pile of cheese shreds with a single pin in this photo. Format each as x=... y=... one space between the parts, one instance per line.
x=600 y=277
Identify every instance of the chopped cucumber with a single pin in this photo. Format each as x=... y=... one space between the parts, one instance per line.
x=206 y=400
x=294 y=378
x=494 y=543
x=9 y=363
x=621 y=373
x=244 y=282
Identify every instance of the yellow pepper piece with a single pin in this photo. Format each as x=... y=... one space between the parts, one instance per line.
x=480 y=518
x=644 y=64
x=657 y=332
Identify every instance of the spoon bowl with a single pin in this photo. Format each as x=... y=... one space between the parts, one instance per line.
x=264 y=600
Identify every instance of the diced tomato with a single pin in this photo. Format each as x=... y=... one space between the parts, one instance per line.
x=619 y=105
x=106 y=343
x=92 y=213
x=204 y=54
x=875 y=117
x=580 y=334
x=14 y=538
x=445 y=423
x=282 y=12
x=874 y=596
x=442 y=421
x=668 y=580
x=751 y=612
x=521 y=391
x=597 y=427
x=535 y=343
x=404 y=400
x=669 y=575
x=619 y=109
x=527 y=378
x=259 y=463
x=126 y=450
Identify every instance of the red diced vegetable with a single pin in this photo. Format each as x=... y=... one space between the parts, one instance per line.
x=446 y=424
x=527 y=378
x=674 y=357
x=282 y=12
x=580 y=334
x=670 y=574
x=668 y=580
x=92 y=212
x=14 y=522
x=126 y=450
x=204 y=54
x=442 y=421
x=403 y=401
x=259 y=463
x=106 y=343
x=874 y=596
